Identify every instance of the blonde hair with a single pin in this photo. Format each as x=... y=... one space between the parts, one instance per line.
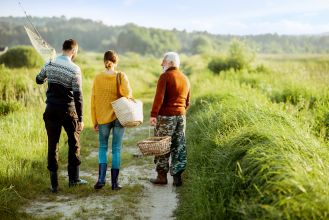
x=110 y=58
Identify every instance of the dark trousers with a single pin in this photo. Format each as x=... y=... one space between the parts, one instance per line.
x=55 y=118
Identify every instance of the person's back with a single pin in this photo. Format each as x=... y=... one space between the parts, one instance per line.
x=176 y=92
x=64 y=83
x=171 y=101
x=105 y=90
x=64 y=109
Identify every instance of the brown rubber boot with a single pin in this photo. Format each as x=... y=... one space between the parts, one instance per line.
x=161 y=178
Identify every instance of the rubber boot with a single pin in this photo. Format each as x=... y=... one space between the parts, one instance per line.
x=161 y=178
x=74 y=179
x=178 y=179
x=114 y=179
x=102 y=167
x=53 y=181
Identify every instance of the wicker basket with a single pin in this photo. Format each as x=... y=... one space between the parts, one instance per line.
x=155 y=146
x=128 y=111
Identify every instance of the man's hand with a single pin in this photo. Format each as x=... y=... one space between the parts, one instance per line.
x=81 y=125
x=96 y=128
x=153 y=121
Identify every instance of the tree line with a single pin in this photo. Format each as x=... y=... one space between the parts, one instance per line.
x=96 y=36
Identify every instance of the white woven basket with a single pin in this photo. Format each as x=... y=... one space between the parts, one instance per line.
x=128 y=111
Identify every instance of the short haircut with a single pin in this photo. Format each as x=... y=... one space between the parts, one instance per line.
x=172 y=57
x=69 y=44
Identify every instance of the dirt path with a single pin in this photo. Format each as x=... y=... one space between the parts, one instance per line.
x=139 y=199
x=159 y=202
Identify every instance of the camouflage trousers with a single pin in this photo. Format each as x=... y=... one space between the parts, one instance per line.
x=173 y=126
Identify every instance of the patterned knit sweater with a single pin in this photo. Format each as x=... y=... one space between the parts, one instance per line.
x=104 y=92
x=64 y=84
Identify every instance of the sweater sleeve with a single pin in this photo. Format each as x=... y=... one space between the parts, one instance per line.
x=188 y=95
x=42 y=75
x=159 y=96
x=188 y=100
x=125 y=88
x=93 y=106
x=77 y=94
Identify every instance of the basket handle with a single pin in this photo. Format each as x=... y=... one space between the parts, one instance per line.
x=156 y=131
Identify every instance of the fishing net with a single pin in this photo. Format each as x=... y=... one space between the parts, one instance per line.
x=44 y=49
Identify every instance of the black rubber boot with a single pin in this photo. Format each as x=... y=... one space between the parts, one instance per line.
x=102 y=167
x=74 y=179
x=178 y=179
x=53 y=181
x=114 y=179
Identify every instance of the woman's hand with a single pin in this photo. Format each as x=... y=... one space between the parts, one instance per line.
x=153 y=121
x=96 y=129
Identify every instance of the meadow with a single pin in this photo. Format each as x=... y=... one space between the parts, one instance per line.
x=257 y=137
x=258 y=142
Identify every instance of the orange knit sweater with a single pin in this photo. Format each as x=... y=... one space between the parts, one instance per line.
x=172 y=95
x=104 y=92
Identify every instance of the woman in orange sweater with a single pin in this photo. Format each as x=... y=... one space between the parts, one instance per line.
x=104 y=92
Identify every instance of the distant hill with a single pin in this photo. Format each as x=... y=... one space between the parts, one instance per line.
x=96 y=36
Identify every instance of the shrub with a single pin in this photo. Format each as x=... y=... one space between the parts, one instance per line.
x=21 y=56
x=218 y=64
x=239 y=57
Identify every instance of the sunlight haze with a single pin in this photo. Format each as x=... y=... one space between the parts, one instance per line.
x=218 y=17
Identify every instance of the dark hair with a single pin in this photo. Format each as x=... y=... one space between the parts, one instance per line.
x=110 y=58
x=69 y=44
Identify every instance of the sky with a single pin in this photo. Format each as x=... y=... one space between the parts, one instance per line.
x=238 y=17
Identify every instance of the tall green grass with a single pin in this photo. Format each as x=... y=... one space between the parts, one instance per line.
x=249 y=160
x=252 y=153
x=297 y=83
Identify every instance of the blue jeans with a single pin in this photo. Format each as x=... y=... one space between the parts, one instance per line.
x=104 y=133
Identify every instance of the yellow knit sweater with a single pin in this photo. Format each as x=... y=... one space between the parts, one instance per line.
x=104 y=92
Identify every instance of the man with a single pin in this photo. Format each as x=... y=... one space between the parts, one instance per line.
x=168 y=115
x=64 y=109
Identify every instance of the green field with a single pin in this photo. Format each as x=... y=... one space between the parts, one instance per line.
x=257 y=137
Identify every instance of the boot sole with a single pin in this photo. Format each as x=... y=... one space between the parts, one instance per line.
x=157 y=183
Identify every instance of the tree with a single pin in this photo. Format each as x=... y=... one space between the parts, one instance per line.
x=201 y=44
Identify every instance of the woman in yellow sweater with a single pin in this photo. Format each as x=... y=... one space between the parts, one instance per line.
x=104 y=92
